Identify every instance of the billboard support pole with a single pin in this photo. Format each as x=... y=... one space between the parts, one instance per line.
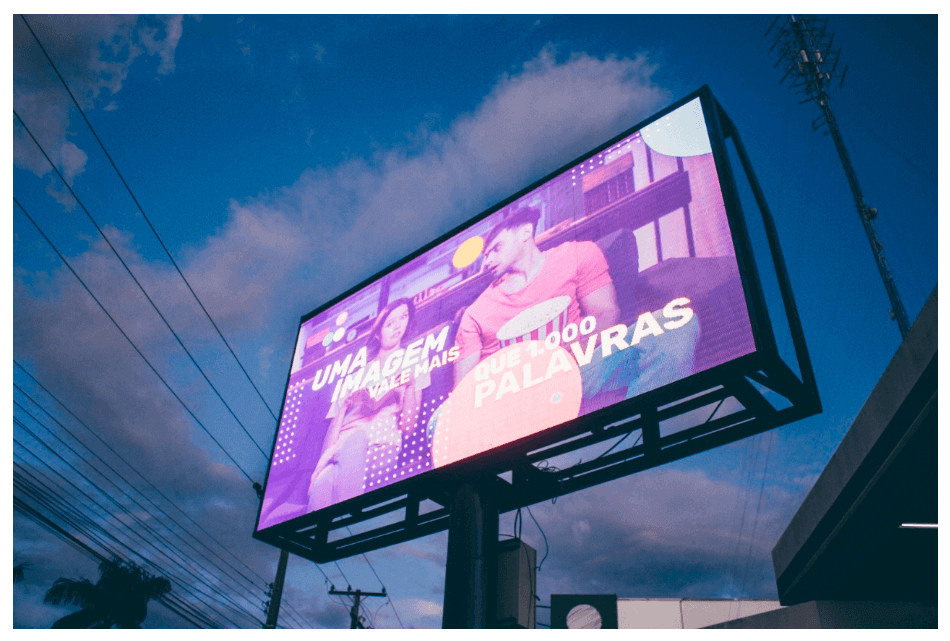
x=470 y=562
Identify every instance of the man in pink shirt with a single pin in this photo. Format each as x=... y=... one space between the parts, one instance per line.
x=525 y=276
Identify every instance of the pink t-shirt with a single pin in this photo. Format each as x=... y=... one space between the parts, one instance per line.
x=574 y=269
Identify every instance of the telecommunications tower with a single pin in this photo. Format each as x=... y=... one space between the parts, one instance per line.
x=804 y=48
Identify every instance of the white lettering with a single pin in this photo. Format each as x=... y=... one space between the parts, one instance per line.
x=526 y=381
x=359 y=361
x=372 y=374
x=672 y=310
x=559 y=363
x=339 y=369
x=482 y=390
x=613 y=336
x=497 y=364
x=646 y=326
x=352 y=382
x=436 y=344
x=412 y=353
x=584 y=358
x=336 y=391
x=588 y=323
x=508 y=385
x=570 y=332
x=319 y=381
x=393 y=361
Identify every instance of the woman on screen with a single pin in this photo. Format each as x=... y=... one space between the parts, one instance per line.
x=364 y=438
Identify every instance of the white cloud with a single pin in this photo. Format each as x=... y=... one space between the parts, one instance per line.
x=283 y=253
x=337 y=225
x=165 y=48
x=664 y=532
x=94 y=55
x=279 y=255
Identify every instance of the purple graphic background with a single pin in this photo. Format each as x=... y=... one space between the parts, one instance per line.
x=659 y=221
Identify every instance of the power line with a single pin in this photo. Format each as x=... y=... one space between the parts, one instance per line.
x=114 y=322
x=174 y=608
x=168 y=517
x=365 y=558
x=142 y=211
x=341 y=572
x=136 y=280
x=122 y=508
x=64 y=513
x=751 y=457
x=120 y=329
x=152 y=485
x=51 y=527
x=32 y=514
x=47 y=524
x=398 y=618
x=39 y=495
x=755 y=522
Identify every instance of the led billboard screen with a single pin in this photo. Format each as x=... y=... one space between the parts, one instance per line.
x=614 y=277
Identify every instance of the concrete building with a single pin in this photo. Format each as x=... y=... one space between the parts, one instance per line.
x=686 y=613
x=862 y=549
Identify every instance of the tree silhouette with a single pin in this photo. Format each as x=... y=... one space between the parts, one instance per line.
x=118 y=599
x=19 y=571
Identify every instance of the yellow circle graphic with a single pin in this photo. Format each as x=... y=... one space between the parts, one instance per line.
x=468 y=252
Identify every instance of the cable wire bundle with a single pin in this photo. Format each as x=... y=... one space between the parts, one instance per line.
x=99 y=523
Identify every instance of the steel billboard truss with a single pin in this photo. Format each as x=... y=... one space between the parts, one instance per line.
x=766 y=391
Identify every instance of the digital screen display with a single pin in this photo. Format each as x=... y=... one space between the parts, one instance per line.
x=613 y=278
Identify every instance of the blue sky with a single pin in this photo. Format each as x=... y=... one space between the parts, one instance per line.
x=284 y=159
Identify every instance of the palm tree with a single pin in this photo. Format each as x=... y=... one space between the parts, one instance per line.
x=19 y=571
x=118 y=599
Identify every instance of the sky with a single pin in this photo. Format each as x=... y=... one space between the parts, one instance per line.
x=284 y=159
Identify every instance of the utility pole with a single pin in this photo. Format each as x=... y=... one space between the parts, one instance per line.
x=355 y=618
x=805 y=49
x=277 y=587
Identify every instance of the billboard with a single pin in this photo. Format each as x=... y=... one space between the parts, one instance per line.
x=613 y=277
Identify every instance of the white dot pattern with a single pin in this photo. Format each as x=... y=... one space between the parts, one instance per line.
x=439 y=444
x=283 y=452
x=391 y=454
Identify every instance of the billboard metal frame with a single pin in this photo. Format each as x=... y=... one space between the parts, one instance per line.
x=421 y=505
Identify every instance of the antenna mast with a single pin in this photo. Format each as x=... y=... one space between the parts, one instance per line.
x=804 y=48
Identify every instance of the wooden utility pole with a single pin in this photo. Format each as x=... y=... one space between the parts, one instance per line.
x=277 y=587
x=355 y=622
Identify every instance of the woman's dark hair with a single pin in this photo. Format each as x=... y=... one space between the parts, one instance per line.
x=373 y=342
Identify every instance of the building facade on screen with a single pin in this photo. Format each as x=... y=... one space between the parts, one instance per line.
x=615 y=277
